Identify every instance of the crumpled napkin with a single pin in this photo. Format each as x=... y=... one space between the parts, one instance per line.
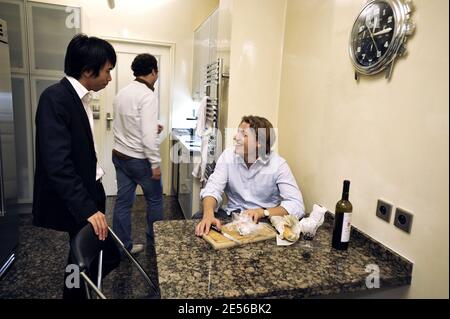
x=281 y=223
x=309 y=225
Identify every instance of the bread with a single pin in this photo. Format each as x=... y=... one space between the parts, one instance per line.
x=288 y=234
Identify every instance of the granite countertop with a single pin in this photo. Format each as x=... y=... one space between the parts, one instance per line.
x=190 y=142
x=188 y=267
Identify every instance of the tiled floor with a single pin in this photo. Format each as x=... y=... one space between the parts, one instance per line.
x=42 y=255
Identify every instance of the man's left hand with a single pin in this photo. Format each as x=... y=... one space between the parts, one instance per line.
x=256 y=214
x=156 y=173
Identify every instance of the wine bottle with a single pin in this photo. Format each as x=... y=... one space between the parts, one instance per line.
x=342 y=220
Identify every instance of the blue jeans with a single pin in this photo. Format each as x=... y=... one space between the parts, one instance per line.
x=130 y=173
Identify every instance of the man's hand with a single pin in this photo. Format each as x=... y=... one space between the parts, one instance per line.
x=98 y=221
x=156 y=173
x=205 y=224
x=256 y=214
x=160 y=128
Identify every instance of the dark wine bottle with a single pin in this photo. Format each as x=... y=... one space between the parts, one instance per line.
x=342 y=220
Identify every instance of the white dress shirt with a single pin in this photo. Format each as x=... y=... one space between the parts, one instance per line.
x=136 y=123
x=85 y=97
x=267 y=183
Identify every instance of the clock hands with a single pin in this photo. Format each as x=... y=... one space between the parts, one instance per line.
x=387 y=30
x=371 y=35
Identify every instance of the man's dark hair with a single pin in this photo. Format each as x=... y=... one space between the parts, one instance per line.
x=144 y=64
x=263 y=130
x=87 y=54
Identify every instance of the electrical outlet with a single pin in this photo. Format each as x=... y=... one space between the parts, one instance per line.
x=403 y=220
x=384 y=210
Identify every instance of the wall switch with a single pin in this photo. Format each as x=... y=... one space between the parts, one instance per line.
x=384 y=210
x=403 y=220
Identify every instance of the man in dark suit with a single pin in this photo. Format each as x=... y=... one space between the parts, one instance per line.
x=68 y=192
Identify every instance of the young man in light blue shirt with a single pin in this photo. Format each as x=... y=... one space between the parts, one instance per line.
x=256 y=180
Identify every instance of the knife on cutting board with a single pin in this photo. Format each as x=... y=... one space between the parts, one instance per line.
x=226 y=235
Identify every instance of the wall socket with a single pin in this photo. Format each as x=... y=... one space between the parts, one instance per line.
x=403 y=220
x=384 y=210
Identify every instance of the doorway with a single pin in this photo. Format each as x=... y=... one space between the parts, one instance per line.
x=122 y=75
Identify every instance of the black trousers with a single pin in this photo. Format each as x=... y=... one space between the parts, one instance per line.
x=111 y=255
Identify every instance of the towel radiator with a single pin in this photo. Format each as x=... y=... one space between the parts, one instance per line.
x=213 y=83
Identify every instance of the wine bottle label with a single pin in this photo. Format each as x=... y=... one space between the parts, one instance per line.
x=346 y=227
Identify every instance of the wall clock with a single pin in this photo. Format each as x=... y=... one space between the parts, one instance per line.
x=379 y=36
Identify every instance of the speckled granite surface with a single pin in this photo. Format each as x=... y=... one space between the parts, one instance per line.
x=188 y=267
x=38 y=270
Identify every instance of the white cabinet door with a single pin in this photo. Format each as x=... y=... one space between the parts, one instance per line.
x=185 y=188
x=195 y=67
x=13 y=13
x=51 y=27
x=204 y=54
x=23 y=138
x=213 y=33
x=201 y=59
x=38 y=36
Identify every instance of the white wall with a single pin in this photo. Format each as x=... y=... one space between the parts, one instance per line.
x=223 y=52
x=257 y=34
x=168 y=21
x=389 y=138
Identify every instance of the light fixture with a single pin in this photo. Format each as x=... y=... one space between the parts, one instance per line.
x=111 y=4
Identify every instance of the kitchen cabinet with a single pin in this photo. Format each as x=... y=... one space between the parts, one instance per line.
x=188 y=186
x=185 y=153
x=9 y=230
x=23 y=137
x=213 y=33
x=51 y=27
x=185 y=187
x=38 y=35
x=13 y=12
x=205 y=52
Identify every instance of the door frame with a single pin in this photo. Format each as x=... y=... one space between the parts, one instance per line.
x=172 y=47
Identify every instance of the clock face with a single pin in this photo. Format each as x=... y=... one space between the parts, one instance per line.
x=372 y=33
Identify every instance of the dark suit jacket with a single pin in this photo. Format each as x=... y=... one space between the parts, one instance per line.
x=65 y=189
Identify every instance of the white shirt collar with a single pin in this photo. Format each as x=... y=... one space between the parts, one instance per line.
x=79 y=88
x=263 y=160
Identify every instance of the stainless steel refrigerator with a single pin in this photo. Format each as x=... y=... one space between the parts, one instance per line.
x=9 y=230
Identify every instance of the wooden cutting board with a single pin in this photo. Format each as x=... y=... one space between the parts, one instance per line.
x=218 y=241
